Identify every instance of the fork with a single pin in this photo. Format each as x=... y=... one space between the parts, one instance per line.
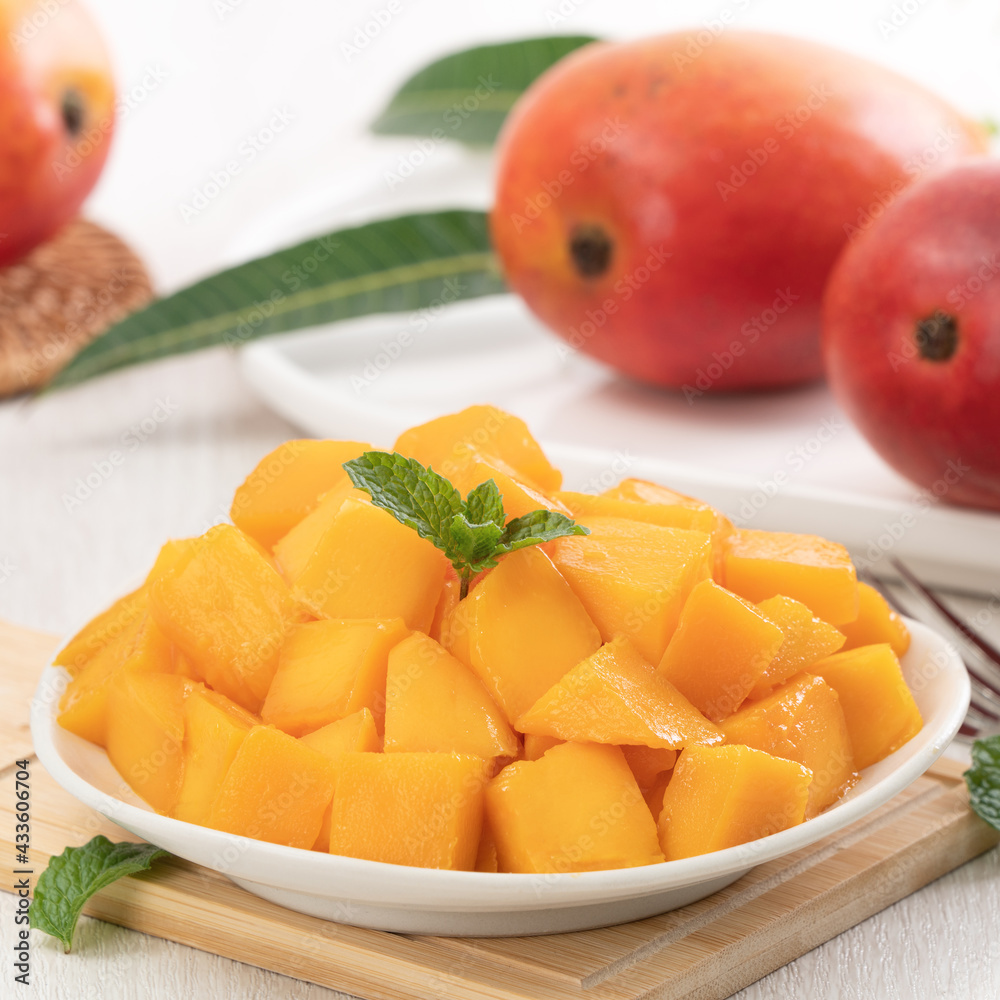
x=981 y=657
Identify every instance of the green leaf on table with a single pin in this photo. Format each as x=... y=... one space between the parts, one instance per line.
x=394 y=265
x=983 y=780
x=466 y=95
x=74 y=876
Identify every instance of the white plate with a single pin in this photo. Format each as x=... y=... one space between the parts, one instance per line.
x=426 y=901
x=781 y=461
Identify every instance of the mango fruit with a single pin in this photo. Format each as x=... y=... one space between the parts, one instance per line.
x=876 y=622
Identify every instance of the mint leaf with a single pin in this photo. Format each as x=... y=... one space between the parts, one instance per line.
x=484 y=503
x=983 y=780
x=75 y=875
x=537 y=527
x=476 y=542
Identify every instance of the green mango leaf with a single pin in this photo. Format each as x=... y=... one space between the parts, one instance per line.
x=466 y=96
x=983 y=780
x=409 y=263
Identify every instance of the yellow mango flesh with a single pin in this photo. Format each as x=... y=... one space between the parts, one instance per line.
x=720 y=797
x=228 y=610
x=276 y=789
x=486 y=856
x=807 y=640
x=369 y=565
x=576 y=809
x=287 y=484
x=634 y=578
x=99 y=631
x=435 y=703
x=145 y=734
x=447 y=602
x=720 y=650
x=328 y=670
x=815 y=571
x=614 y=696
x=519 y=496
x=880 y=711
x=535 y=746
x=214 y=730
x=420 y=809
x=876 y=622
x=446 y=443
x=801 y=721
x=520 y=629
x=648 y=764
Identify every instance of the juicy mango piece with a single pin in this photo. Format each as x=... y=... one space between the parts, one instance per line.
x=634 y=578
x=815 y=571
x=486 y=856
x=720 y=650
x=880 y=711
x=101 y=630
x=214 y=729
x=519 y=496
x=686 y=512
x=328 y=670
x=801 y=721
x=648 y=764
x=435 y=703
x=146 y=734
x=576 y=809
x=287 y=484
x=228 y=610
x=520 y=629
x=368 y=565
x=276 y=789
x=447 y=602
x=614 y=696
x=447 y=443
x=876 y=622
x=720 y=797
x=421 y=809
x=536 y=746
x=807 y=640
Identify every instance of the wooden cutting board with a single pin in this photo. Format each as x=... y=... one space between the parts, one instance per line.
x=707 y=950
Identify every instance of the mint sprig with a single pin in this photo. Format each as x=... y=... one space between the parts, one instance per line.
x=74 y=876
x=983 y=780
x=472 y=533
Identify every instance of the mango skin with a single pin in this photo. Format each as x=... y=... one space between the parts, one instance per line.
x=727 y=182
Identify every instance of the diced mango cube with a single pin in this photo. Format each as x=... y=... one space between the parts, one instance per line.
x=369 y=565
x=330 y=669
x=876 y=622
x=276 y=789
x=801 y=721
x=807 y=640
x=536 y=746
x=576 y=809
x=634 y=578
x=815 y=571
x=101 y=630
x=649 y=764
x=720 y=650
x=227 y=608
x=878 y=706
x=720 y=797
x=421 y=809
x=486 y=856
x=519 y=496
x=435 y=703
x=520 y=629
x=614 y=696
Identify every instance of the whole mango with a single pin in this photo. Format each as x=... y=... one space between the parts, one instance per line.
x=673 y=205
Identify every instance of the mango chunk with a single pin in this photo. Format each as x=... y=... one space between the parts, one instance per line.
x=420 y=809
x=214 y=730
x=815 y=571
x=649 y=764
x=287 y=484
x=576 y=809
x=880 y=711
x=876 y=622
x=368 y=565
x=101 y=630
x=634 y=578
x=720 y=650
x=520 y=629
x=801 y=721
x=435 y=703
x=276 y=789
x=720 y=797
x=536 y=746
x=519 y=496
x=330 y=669
x=447 y=602
x=227 y=609
x=447 y=443
x=807 y=640
x=486 y=856
x=614 y=696
x=145 y=734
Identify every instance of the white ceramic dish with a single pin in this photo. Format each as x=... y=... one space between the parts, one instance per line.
x=423 y=901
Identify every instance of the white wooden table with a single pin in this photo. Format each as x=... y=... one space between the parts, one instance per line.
x=223 y=69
